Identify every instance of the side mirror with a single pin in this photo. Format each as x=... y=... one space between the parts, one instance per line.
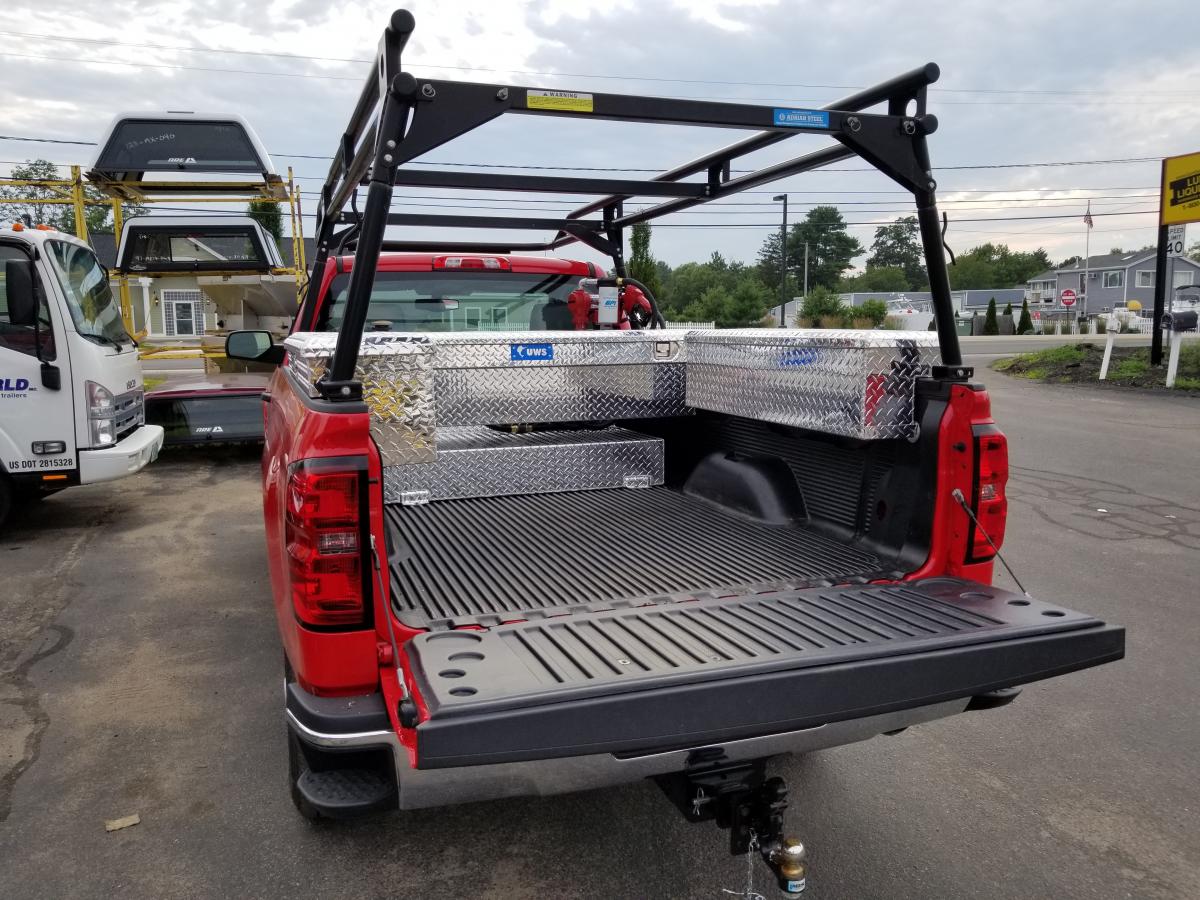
x=51 y=377
x=253 y=346
x=22 y=302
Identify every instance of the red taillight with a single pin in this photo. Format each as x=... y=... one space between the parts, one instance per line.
x=323 y=531
x=989 y=500
x=471 y=262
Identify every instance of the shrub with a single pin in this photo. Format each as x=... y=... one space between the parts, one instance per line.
x=875 y=311
x=990 y=325
x=1008 y=309
x=1047 y=326
x=822 y=303
x=1025 y=324
x=1101 y=326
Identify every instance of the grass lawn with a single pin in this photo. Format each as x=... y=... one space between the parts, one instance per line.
x=150 y=382
x=1080 y=364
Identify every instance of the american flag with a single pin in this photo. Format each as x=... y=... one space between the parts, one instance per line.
x=1087 y=216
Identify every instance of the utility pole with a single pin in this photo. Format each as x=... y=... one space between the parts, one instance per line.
x=783 y=263
x=806 y=270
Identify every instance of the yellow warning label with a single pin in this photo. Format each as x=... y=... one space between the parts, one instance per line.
x=1181 y=189
x=567 y=101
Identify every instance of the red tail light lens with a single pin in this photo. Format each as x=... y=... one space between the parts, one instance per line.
x=323 y=532
x=989 y=501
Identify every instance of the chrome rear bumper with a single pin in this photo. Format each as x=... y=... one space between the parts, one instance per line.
x=423 y=788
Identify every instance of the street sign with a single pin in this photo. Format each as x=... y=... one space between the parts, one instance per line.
x=1067 y=297
x=1175 y=240
x=1179 y=201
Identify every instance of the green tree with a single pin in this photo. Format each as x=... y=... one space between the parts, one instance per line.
x=663 y=271
x=641 y=263
x=1193 y=252
x=769 y=261
x=731 y=303
x=1025 y=323
x=990 y=325
x=267 y=214
x=995 y=266
x=1008 y=309
x=830 y=247
x=882 y=279
x=727 y=293
x=97 y=214
x=899 y=246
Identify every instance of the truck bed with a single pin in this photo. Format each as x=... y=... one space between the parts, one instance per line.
x=490 y=559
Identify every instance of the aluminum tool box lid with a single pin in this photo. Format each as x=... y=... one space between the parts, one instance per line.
x=855 y=383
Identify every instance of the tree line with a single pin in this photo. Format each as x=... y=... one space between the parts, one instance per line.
x=734 y=294
x=728 y=292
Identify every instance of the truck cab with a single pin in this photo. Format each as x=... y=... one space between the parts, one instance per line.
x=71 y=407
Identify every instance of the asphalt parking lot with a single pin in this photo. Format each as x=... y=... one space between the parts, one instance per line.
x=140 y=673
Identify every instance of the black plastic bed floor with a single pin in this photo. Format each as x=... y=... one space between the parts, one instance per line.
x=488 y=559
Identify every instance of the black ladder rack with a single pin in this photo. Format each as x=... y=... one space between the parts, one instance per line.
x=399 y=117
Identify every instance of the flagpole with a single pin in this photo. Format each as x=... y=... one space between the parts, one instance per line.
x=1087 y=251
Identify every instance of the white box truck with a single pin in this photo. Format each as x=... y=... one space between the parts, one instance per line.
x=71 y=394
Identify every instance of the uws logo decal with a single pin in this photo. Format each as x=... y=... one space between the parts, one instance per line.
x=11 y=388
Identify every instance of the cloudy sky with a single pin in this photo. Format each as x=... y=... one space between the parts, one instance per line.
x=1023 y=81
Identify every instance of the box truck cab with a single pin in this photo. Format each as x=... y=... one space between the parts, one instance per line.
x=71 y=407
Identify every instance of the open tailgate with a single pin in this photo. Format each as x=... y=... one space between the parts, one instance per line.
x=687 y=674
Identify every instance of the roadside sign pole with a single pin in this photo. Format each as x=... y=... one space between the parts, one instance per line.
x=1160 y=297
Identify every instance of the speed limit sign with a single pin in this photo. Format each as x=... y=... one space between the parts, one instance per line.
x=1175 y=240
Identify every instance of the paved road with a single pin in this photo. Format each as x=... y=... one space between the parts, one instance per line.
x=139 y=672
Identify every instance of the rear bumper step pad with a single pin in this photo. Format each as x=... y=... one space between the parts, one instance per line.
x=695 y=673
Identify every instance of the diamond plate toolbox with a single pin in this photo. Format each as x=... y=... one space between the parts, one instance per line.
x=506 y=378
x=481 y=462
x=396 y=372
x=855 y=383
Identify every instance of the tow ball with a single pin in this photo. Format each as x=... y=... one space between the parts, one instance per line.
x=743 y=800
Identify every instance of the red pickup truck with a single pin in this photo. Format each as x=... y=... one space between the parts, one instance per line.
x=522 y=541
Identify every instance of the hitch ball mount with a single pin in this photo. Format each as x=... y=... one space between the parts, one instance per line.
x=743 y=800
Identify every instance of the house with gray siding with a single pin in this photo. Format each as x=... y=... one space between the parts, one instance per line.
x=1113 y=280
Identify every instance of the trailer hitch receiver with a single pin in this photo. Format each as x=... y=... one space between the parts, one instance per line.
x=743 y=800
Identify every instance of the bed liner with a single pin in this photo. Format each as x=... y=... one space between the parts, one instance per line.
x=486 y=560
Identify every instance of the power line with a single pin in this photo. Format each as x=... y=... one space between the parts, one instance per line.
x=596 y=75
x=720 y=99
x=146 y=65
x=1027 y=165
x=1141 y=212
